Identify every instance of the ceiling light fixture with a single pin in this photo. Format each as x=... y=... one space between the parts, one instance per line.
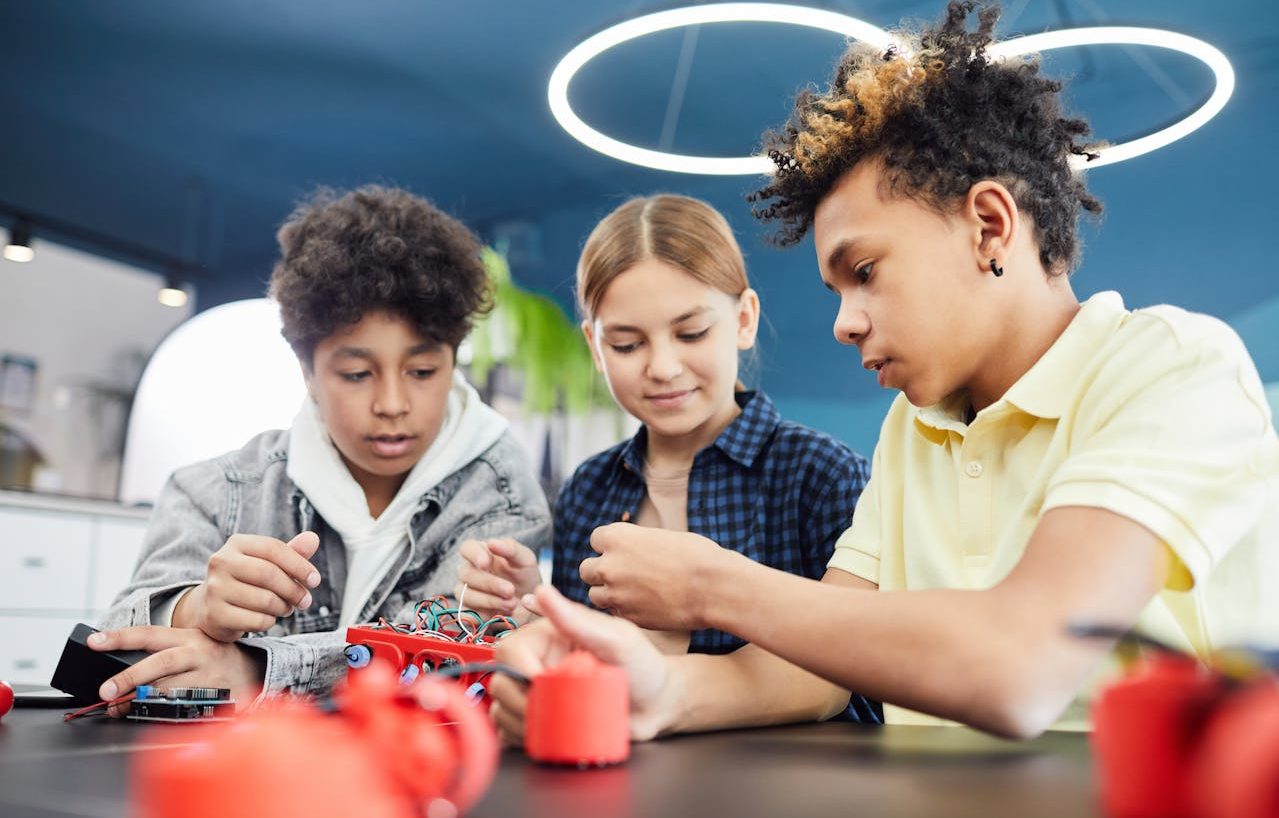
x=588 y=49
x=1126 y=35
x=19 y=247
x=172 y=294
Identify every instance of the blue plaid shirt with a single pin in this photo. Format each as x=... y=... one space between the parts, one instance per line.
x=776 y=491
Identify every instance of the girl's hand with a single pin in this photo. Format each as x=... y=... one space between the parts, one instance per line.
x=497 y=573
x=655 y=684
x=180 y=657
x=251 y=582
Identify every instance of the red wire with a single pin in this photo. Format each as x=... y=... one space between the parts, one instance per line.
x=85 y=711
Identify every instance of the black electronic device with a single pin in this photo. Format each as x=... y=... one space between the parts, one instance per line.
x=82 y=670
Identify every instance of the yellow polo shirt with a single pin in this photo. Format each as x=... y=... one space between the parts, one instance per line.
x=1156 y=414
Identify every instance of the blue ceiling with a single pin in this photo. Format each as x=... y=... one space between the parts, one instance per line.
x=188 y=129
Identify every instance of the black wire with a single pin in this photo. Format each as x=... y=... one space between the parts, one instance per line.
x=481 y=667
x=1094 y=630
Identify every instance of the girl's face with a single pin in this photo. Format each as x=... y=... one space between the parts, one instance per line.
x=381 y=390
x=667 y=345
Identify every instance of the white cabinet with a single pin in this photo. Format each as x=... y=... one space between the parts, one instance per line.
x=61 y=562
x=116 y=545
x=44 y=560
x=30 y=647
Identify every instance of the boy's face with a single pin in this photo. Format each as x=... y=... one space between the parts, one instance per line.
x=381 y=390
x=667 y=345
x=909 y=284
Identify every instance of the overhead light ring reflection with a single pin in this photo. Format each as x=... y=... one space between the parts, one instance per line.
x=588 y=49
x=1127 y=35
x=591 y=47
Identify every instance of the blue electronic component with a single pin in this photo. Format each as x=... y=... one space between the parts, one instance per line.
x=358 y=656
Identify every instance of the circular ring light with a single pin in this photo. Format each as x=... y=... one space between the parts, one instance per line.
x=1123 y=35
x=557 y=90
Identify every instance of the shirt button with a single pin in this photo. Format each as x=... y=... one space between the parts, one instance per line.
x=973 y=469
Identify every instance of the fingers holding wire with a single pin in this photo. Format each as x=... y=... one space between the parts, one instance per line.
x=496 y=573
x=486 y=593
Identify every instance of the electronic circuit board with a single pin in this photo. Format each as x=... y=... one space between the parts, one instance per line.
x=182 y=704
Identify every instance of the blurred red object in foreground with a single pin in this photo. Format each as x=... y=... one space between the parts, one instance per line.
x=1146 y=728
x=1176 y=739
x=390 y=751
x=6 y=698
x=1237 y=774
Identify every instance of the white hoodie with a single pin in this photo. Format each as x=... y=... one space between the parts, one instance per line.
x=469 y=428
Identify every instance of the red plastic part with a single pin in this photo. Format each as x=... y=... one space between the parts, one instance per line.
x=1146 y=730
x=6 y=698
x=392 y=751
x=1237 y=769
x=458 y=770
x=578 y=713
x=399 y=650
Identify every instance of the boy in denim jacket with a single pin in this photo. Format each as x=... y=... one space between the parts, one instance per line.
x=255 y=562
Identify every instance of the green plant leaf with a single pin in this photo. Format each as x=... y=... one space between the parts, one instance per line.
x=533 y=335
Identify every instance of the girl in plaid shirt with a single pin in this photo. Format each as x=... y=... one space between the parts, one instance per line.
x=668 y=309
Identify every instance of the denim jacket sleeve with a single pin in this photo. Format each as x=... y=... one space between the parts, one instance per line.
x=525 y=517
x=301 y=662
x=181 y=536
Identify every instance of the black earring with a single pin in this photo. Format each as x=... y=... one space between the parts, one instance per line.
x=996 y=269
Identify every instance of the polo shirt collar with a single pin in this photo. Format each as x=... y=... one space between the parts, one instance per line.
x=741 y=441
x=934 y=422
x=1043 y=390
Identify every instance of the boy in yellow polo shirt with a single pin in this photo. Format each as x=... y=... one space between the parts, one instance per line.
x=1048 y=462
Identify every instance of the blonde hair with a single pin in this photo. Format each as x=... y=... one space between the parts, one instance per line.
x=681 y=231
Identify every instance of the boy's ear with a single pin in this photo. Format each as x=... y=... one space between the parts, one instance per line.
x=747 y=318
x=996 y=221
x=588 y=333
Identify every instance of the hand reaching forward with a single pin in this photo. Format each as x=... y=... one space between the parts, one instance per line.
x=654 y=687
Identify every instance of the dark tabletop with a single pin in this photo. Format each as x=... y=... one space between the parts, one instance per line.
x=48 y=769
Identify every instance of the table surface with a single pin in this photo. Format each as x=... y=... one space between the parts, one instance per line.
x=48 y=768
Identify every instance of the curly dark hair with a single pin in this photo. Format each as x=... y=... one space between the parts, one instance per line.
x=376 y=248
x=941 y=115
